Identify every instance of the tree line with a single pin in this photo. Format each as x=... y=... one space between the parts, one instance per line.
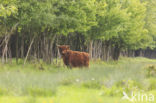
x=31 y=29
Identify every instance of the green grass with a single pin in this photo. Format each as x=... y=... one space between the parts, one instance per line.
x=103 y=82
x=70 y=94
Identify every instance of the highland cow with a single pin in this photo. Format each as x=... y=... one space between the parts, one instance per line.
x=74 y=58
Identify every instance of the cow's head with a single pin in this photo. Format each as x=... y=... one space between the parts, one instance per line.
x=66 y=53
x=63 y=48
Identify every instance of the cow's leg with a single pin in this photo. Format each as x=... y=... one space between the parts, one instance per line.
x=69 y=66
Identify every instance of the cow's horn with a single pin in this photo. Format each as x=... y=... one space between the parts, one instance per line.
x=57 y=45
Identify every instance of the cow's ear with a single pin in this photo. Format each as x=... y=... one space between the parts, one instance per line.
x=57 y=45
x=68 y=47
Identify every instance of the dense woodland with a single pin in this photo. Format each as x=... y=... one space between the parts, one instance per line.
x=32 y=29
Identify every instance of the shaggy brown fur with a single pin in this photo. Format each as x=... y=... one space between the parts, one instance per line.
x=73 y=58
x=62 y=48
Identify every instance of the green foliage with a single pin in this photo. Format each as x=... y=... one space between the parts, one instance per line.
x=92 y=84
x=4 y=92
x=58 y=17
x=136 y=33
x=75 y=16
x=105 y=81
x=7 y=7
x=40 y=92
x=121 y=23
x=35 y=15
x=22 y=80
x=113 y=91
x=151 y=21
x=150 y=70
x=151 y=84
x=129 y=85
x=7 y=11
x=67 y=81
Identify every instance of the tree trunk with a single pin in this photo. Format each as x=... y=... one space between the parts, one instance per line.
x=5 y=50
x=6 y=40
x=51 y=48
x=17 y=53
x=22 y=46
x=29 y=50
x=91 y=49
x=116 y=53
x=106 y=50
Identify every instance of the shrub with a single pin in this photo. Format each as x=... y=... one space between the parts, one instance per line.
x=92 y=84
x=151 y=83
x=150 y=70
x=40 y=92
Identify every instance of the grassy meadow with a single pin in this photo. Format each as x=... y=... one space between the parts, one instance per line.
x=102 y=82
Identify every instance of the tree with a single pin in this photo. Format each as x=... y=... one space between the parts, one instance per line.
x=106 y=27
x=121 y=24
x=8 y=10
x=74 y=16
x=150 y=21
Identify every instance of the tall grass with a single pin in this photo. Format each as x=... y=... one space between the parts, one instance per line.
x=19 y=80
